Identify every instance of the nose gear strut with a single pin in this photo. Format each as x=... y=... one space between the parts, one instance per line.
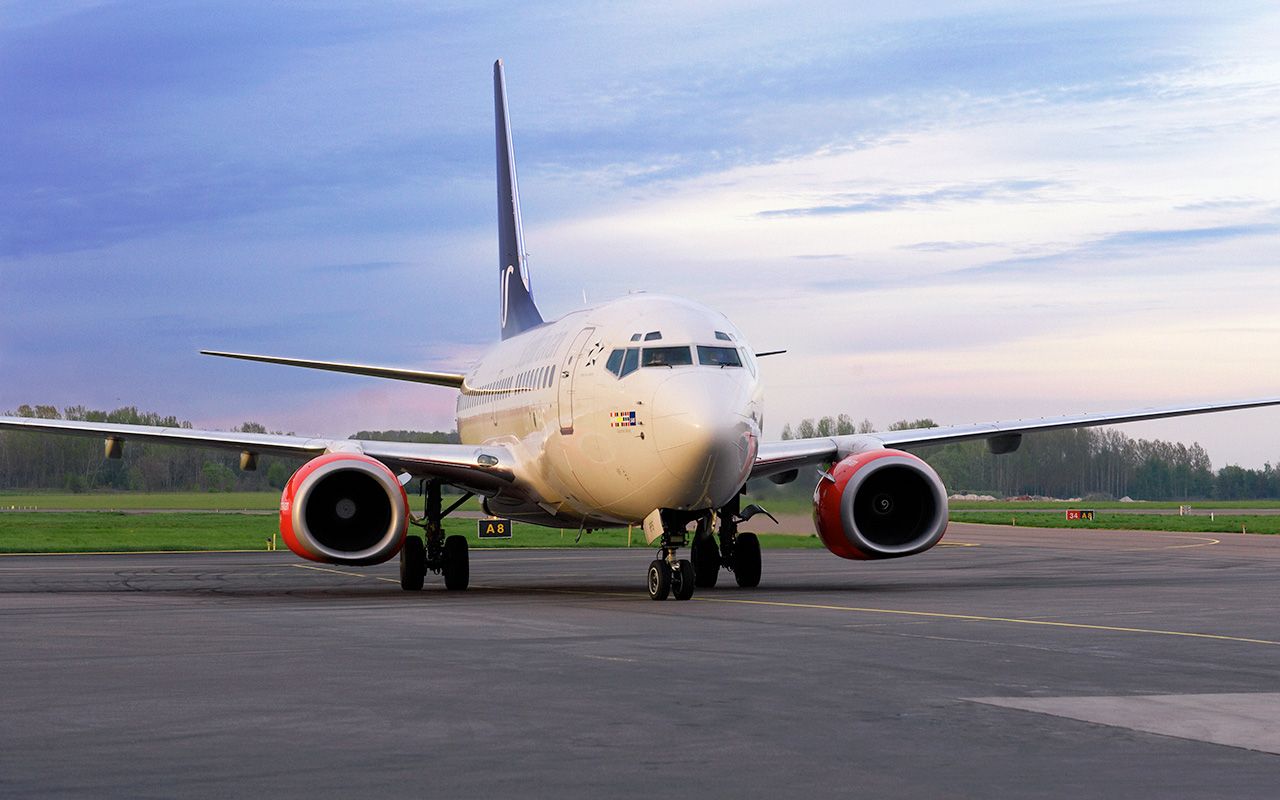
x=737 y=552
x=669 y=574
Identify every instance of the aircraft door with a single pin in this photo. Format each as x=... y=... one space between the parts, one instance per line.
x=567 y=371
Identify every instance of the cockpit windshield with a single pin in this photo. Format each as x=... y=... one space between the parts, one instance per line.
x=666 y=357
x=624 y=361
x=719 y=356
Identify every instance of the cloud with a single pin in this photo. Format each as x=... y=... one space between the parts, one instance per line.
x=1153 y=245
x=862 y=203
x=944 y=247
x=1223 y=204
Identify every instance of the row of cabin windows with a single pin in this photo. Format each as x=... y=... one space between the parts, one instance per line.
x=540 y=378
x=624 y=361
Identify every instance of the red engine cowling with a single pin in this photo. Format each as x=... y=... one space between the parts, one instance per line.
x=880 y=504
x=344 y=508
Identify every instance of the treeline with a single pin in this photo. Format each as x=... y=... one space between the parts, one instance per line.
x=77 y=463
x=31 y=461
x=1088 y=462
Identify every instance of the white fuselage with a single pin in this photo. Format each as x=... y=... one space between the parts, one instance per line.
x=610 y=421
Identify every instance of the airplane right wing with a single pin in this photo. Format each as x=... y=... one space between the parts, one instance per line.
x=783 y=456
x=483 y=469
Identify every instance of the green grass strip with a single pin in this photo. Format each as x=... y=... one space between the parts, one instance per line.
x=1129 y=522
x=95 y=532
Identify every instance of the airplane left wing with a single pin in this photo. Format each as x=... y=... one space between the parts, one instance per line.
x=775 y=458
x=452 y=379
x=480 y=468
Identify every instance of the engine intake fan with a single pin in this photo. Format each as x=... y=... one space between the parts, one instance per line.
x=880 y=504
x=344 y=508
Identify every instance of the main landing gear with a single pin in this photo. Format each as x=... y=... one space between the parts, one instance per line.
x=737 y=552
x=445 y=555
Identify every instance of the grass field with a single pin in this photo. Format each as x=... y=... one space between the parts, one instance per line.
x=127 y=501
x=80 y=532
x=1138 y=522
x=804 y=505
x=1032 y=505
x=87 y=527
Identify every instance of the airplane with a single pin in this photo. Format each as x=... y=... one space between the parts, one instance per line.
x=646 y=410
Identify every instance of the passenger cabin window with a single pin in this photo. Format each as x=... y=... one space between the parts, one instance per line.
x=718 y=356
x=666 y=357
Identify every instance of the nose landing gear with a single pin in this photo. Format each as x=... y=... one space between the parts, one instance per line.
x=668 y=574
x=737 y=552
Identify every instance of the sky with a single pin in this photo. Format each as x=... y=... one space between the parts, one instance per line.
x=968 y=212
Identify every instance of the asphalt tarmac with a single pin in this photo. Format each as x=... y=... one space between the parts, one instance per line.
x=1005 y=663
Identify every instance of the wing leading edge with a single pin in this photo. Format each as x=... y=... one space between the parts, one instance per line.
x=782 y=456
x=483 y=469
x=452 y=379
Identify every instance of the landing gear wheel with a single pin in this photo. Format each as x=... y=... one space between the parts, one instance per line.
x=746 y=560
x=659 y=580
x=457 y=572
x=413 y=564
x=705 y=555
x=683 y=579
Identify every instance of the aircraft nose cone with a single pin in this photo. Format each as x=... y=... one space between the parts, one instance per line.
x=703 y=434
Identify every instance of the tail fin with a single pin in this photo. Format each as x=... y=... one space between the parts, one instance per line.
x=519 y=313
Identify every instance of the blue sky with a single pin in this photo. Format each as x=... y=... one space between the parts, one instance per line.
x=966 y=212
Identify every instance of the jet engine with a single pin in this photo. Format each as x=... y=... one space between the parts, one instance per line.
x=880 y=504
x=344 y=508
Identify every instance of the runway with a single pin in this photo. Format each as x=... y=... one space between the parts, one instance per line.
x=1005 y=663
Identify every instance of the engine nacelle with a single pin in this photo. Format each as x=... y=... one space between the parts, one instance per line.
x=344 y=508
x=880 y=504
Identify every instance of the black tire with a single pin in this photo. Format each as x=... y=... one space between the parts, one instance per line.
x=746 y=560
x=413 y=564
x=457 y=572
x=683 y=579
x=659 y=580
x=705 y=555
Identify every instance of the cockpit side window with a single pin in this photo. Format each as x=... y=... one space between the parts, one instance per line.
x=666 y=357
x=718 y=356
x=724 y=337
x=652 y=336
x=614 y=364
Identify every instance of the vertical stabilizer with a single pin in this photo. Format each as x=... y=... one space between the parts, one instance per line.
x=519 y=313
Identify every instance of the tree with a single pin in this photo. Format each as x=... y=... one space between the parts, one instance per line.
x=217 y=477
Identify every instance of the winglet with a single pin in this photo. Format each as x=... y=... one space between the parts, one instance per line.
x=519 y=313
